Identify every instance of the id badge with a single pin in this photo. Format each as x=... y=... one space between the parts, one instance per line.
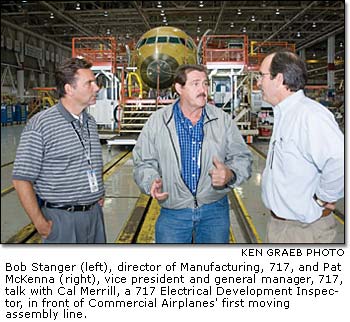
x=92 y=180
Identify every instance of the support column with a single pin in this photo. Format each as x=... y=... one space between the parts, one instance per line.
x=302 y=54
x=331 y=67
x=42 y=82
x=20 y=72
x=20 y=85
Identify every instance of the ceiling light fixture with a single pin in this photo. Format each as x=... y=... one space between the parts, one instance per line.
x=298 y=34
x=232 y=25
x=105 y=13
x=162 y=13
x=252 y=18
x=201 y=4
x=159 y=5
x=52 y=15
x=77 y=6
x=239 y=11
x=199 y=18
x=277 y=11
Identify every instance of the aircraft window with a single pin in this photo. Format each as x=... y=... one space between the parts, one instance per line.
x=141 y=42
x=151 y=40
x=162 y=39
x=183 y=41
x=189 y=44
x=174 y=40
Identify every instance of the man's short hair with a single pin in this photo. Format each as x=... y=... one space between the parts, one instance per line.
x=183 y=70
x=65 y=74
x=291 y=66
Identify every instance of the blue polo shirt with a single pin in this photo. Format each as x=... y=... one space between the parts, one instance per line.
x=190 y=139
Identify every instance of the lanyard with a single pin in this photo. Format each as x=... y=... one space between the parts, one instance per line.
x=86 y=151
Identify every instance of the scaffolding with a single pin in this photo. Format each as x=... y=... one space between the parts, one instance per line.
x=108 y=67
x=259 y=50
x=226 y=58
x=44 y=99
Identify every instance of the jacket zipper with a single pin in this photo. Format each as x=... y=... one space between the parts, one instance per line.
x=195 y=202
x=177 y=158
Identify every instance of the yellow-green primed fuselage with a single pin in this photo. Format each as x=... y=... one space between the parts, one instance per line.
x=159 y=52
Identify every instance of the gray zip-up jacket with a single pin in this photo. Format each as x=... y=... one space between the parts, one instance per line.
x=157 y=155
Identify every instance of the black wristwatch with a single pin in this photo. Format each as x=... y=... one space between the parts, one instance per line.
x=319 y=201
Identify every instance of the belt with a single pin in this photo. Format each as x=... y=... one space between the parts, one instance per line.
x=275 y=216
x=68 y=207
x=325 y=213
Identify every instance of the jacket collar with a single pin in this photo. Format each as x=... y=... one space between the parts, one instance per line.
x=209 y=114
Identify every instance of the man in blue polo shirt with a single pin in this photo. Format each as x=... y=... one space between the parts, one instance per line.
x=59 y=162
x=188 y=157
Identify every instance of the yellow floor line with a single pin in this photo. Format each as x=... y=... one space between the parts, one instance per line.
x=147 y=232
x=126 y=237
x=339 y=219
x=232 y=237
x=257 y=152
x=107 y=174
x=22 y=234
x=7 y=190
x=247 y=216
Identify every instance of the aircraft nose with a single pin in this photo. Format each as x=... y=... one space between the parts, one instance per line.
x=158 y=68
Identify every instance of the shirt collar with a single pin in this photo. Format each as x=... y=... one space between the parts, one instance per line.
x=290 y=102
x=68 y=116
x=178 y=112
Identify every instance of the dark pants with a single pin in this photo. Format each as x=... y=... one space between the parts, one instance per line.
x=80 y=227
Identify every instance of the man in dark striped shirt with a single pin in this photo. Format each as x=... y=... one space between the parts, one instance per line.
x=58 y=168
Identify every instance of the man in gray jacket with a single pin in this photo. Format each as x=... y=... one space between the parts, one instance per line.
x=188 y=157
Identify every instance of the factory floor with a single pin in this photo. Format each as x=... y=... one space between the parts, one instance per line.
x=122 y=194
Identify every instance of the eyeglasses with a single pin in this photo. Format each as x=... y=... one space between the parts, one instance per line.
x=260 y=75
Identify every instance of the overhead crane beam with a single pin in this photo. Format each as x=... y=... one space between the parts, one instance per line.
x=142 y=14
x=219 y=17
x=67 y=19
x=291 y=20
x=325 y=36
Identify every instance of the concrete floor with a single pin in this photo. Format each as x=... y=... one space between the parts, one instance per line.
x=122 y=193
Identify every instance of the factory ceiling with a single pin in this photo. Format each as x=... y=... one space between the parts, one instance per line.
x=307 y=24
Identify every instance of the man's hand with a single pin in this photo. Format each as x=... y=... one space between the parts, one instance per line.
x=220 y=174
x=156 y=190
x=330 y=205
x=43 y=227
x=101 y=201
